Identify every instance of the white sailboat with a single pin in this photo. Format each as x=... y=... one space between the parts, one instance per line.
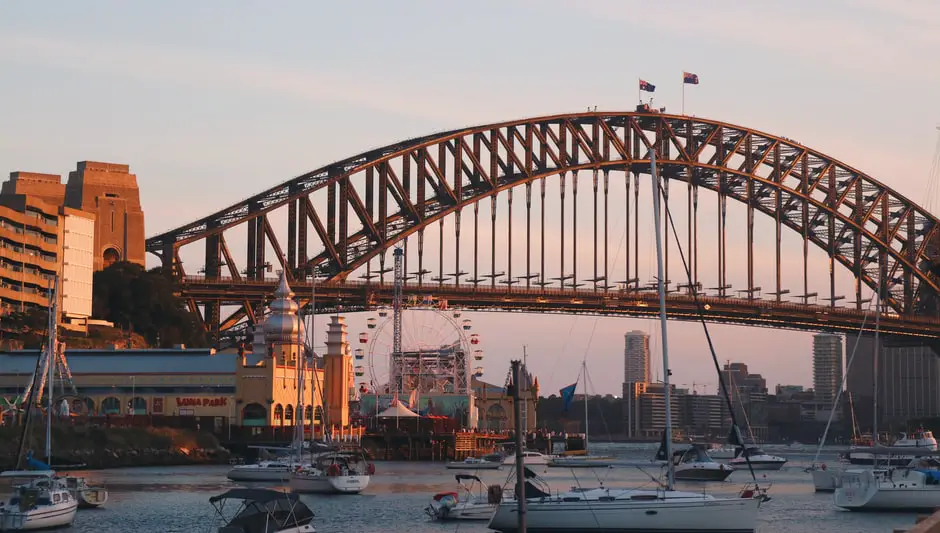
x=582 y=459
x=40 y=499
x=632 y=510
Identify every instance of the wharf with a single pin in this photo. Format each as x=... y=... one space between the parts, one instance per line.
x=422 y=446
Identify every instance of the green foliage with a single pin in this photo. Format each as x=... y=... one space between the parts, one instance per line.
x=145 y=302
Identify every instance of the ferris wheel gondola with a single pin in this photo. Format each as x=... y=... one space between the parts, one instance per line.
x=478 y=355
x=467 y=324
x=360 y=354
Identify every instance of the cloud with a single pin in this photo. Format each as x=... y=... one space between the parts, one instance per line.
x=179 y=67
x=862 y=35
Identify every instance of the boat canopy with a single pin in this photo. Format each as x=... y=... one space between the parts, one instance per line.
x=256 y=495
x=263 y=511
x=468 y=477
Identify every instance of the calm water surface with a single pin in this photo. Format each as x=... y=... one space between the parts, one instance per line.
x=175 y=500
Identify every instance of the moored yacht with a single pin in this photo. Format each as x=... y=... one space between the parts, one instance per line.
x=263 y=471
x=467 y=503
x=529 y=458
x=694 y=464
x=40 y=500
x=88 y=496
x=894 y=489
x=626 y=510
x=476 y=463
x=333 y=473
x=759 y=459
x=263 y=511
x=903 y=450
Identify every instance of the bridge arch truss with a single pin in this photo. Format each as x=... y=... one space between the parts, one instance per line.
x=345 y=216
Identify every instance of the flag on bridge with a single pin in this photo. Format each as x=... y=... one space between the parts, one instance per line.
x=567 y=395
x=689 y=78
x=647 y=86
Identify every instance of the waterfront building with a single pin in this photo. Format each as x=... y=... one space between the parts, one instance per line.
x=748 y=399
x=908 y=383
x=827 y=366
x=243 y=388
x=636 y=357
x=49 y=229
x=39 y=241
x=110 y=192
x=494 y=404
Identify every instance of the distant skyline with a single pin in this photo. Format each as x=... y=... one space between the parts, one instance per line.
x=210 y=103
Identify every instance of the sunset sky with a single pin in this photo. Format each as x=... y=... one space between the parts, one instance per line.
x=212 y=102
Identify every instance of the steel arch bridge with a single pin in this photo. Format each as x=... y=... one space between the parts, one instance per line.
x=343 y=218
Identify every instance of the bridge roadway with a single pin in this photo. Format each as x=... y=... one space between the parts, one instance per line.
x=363 y=296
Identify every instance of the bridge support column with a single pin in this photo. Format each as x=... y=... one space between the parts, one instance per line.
x=213 y=310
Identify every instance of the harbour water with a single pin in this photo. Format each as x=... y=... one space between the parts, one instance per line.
x=175 y=500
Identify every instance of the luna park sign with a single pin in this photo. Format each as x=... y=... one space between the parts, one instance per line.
x=202 y=402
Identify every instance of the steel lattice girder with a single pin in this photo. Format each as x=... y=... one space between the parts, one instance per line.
x=872 y=230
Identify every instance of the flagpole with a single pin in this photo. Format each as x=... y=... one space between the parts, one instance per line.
x=639 y=97
x=683 y=93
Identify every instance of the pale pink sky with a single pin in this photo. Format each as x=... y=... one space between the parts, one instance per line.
x=212 y=103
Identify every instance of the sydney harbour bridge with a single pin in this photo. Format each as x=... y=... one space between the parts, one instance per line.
x=489 y=219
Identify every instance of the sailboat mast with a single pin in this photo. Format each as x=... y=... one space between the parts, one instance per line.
x=50 y=363
x=667 y=394
x=874 y=429
x=586 y=432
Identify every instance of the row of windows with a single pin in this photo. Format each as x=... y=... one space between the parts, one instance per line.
x=39 y=215
x=30 y=270
x=28 y=250
x=21 y=229
x=18 y=286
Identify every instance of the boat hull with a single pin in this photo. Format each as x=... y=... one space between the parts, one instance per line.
x=259 y=474
x=732 y=515
x=581 y=462
x=44 y=517
x=888 y=499
x=868 y=459
x=758 y=465
x=826 y=480
x=91 y=498
x=473 y=466
x=328 y=484
x=463 y=511
x=704 y=472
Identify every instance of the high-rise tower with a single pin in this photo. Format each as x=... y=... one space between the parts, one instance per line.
x=636 y=357
x=827 y=366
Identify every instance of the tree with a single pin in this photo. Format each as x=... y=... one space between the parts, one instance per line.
x=146 y=303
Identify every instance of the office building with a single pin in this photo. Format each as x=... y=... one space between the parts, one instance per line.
x=636 y=357
x=827 y=366
x=50 y=229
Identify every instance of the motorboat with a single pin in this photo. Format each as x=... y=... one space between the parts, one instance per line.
x=694 y=464
x=825 y=479
x=581 y=461
x=262 y=511
x=529 y=458
x=603 y=509
x=474 y=463
x=902 y=451
x=759 y=459
x=469 y=502
x=263 y=471
x=40 y=500
x=88 y=496
x=333 y=473
x=893 y=489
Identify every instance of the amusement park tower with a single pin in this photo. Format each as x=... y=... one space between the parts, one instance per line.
x=338 y=381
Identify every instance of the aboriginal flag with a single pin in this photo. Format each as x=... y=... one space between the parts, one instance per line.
x=647 y=86
x=688 y=77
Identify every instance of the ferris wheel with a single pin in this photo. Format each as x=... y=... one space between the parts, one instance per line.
x=438 y=350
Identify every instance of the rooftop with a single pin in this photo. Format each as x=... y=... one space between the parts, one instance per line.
x=152 y=361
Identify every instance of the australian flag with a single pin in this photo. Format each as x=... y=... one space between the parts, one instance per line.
x=647 y=86
x=567 y=395
x=688 y=77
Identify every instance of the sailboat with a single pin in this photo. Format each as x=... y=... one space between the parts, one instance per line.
x=585 y=459
x=652 y=510
x=40 y=499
